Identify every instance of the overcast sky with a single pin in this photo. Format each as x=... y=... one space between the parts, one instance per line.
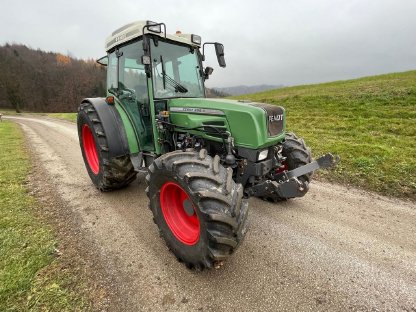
x=286 y=42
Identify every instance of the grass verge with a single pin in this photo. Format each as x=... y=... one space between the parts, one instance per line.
x=31 y=276
x=66 y=116
x=369 y=122
x=7 y=111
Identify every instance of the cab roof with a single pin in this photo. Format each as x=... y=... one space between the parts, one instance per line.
x=135 y=29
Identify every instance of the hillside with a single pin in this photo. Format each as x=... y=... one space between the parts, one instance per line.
x=369 y=122
x=242 y=89
x=38 y=81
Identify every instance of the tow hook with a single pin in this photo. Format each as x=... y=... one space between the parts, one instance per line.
x=326 y=161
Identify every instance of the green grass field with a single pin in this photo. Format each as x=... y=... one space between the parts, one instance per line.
x=31 y=276
x=65 y=116
x=370 y=122
x=7 y=111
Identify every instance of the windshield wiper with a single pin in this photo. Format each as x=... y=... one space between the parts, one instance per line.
x=163 y=72
x=178 y=87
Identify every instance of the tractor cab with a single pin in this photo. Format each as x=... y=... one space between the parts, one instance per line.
x=147 y=67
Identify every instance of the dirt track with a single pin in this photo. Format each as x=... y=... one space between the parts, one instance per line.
x=335 y=249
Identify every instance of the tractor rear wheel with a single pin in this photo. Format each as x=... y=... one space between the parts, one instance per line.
x=199 y=209
x=106 y=174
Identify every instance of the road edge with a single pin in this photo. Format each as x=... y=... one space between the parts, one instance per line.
x=85 y=263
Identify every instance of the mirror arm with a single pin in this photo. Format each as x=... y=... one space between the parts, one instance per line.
x=203 y=49
x=146 y=45
x=146 y=53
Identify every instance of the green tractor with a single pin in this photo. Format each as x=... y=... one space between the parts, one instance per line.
x=203 y=158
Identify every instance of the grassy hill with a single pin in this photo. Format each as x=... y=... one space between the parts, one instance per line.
x=370 y=122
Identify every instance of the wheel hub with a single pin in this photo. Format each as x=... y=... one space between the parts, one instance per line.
x=89 y=149
x=187 y=206
x=179 y=213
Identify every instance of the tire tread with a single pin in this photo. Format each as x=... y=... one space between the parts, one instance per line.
x=220 y=202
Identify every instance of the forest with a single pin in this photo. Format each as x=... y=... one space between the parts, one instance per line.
x=38 y=81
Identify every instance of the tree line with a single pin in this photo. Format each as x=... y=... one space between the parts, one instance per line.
x=38 y=81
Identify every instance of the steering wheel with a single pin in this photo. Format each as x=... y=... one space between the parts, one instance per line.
x=126 y=93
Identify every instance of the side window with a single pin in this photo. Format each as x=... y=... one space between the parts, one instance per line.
x=132 y=76
x=112 y=72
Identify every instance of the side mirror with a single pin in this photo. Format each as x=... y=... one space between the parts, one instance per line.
x=103 y=61
x=208 y=71
x=219 y=50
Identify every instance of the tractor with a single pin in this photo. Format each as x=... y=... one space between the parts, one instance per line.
x=202 y=157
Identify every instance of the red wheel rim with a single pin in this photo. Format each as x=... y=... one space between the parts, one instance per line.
x=179 y=213
x=90 y=149
x=283 y=167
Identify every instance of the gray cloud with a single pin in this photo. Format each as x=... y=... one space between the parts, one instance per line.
x=273 y=42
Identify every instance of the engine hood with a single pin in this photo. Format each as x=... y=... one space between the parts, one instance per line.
x=253 y=125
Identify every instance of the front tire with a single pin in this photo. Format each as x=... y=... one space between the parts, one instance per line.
x=106 y=173
x=199 y=209
x=297 y=155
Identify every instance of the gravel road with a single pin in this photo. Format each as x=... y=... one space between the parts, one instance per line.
x=336 y=249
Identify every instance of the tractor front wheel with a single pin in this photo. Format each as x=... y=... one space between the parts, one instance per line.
x=297 y=155
x=199 y=209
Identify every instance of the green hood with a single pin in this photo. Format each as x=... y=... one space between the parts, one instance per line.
x=253 y=125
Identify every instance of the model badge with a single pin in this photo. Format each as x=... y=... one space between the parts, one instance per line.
x=275 y=118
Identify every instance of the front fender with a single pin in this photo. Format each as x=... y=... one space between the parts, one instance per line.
x=112 y=125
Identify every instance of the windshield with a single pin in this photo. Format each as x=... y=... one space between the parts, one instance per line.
x=176 y=71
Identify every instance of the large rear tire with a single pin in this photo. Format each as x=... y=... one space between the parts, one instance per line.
x=106 y=174
x=199 y=209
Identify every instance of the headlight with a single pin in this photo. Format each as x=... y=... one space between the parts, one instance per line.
x=196 y=39
x=263 y=154
x=156 y=28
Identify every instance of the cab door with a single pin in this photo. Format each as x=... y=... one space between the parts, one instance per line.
x=132 y=92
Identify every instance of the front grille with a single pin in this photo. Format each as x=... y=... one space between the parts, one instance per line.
x=214 y=123
x=274 y=118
